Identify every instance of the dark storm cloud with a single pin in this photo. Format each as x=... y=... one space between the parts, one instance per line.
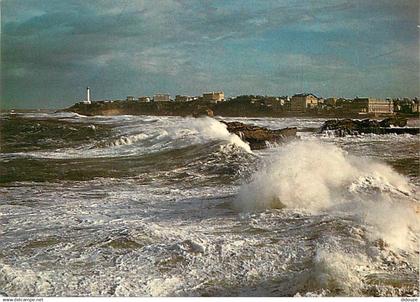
x=52 y=49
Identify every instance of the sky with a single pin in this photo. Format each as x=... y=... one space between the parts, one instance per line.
x=52 y=49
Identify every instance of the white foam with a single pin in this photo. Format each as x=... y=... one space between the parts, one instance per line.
x=163 y=287
x=316 y=177
x=129 y=140
x=164 y=134
x=210 y=128
x=334 y=269
x=189 y=239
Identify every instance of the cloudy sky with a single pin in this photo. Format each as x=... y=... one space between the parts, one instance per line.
x=52 y=49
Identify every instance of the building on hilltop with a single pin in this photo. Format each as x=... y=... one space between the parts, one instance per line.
x=130 y=98
x=302 y=102
x=145 y=99
x=161 y=97
x=184 y=98
x=369 y=105
x=214 y=97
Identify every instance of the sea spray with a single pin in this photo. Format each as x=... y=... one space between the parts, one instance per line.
x=148 y=138
x=317 y=177
x=210 y=128
x=302 y=175
x=334 y=269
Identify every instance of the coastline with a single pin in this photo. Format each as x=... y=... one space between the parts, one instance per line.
x=197 y=108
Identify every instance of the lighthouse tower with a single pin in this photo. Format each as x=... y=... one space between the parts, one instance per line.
x=87 y=101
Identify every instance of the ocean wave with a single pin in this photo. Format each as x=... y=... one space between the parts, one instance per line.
x=90 y=141
x=157 y=232
x=123 y=140
x=210 y=128
x=156 y=197
x=317 y=177
x=199 y=164
x=20 y=134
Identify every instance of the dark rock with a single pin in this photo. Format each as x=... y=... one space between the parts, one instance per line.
x=258 y=137
x=411 y=130
x=394 y=121
x=354 y=127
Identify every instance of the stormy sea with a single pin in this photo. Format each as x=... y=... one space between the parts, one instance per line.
x=175 y=206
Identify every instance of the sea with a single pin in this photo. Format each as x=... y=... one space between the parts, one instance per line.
x=178 y=206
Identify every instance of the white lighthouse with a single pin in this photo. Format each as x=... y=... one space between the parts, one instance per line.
x=87 y=101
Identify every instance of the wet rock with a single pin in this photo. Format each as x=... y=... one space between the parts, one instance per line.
x=394 y=121
x=258 y=137
x=354 y=127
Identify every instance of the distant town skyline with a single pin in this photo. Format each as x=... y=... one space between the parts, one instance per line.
x=52 y=50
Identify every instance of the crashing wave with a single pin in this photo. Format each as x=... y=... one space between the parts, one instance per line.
x=317 y=177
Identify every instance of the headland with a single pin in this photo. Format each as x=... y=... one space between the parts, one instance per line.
x=302 y=105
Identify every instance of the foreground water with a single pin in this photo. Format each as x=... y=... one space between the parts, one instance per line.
x=171 y=206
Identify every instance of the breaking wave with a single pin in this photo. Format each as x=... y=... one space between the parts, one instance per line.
x=213 y=129
x=88 y=199
x=318 y=177
x=127 y=140
x=139 y=138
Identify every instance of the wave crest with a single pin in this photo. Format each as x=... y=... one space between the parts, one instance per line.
x=212 y=129
x=316 y=177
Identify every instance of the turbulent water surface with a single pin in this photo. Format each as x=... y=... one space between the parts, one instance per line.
x=171 y=206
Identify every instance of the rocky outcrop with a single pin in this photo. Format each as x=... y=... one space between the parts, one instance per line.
x=393 y=121
x=354 y=127
x=258 y=137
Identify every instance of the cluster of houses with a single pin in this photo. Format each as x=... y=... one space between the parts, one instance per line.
x=298 y=103
x=307 y=102
x=212 y=97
